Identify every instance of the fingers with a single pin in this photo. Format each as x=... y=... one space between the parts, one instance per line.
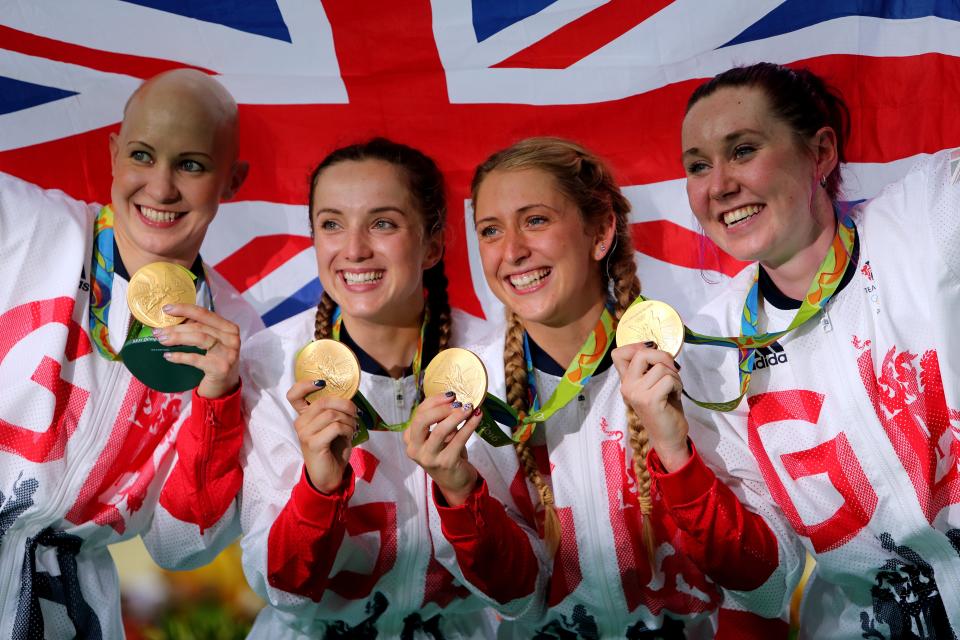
x=431 y=411
x=440 y=436
x=201 y=315
x=297 y=397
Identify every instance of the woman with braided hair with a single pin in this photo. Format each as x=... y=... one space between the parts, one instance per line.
x=556 y=249
x=335 y=535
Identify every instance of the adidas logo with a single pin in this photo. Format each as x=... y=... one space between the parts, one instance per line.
x=769 y=356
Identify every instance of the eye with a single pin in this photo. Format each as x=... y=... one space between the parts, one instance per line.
x=140 y=156
x=696 y=167
x=192 y=166
x=487 y=231
x=328 y=224
x=384 y=224
x=743 y=150
x=537 y=220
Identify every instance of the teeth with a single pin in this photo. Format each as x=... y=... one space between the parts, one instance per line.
x=528 y=279
x=158 y=216
x=737 y=215
x=361 y=278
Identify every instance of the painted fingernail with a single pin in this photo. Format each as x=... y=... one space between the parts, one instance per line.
x=320 y=384
x=477 y=412
x=159 y=334
x=651 y=344
x=167 y=355
x=468 y=406
x=457 y=404
x=167 y=308
x=450 y=394
x=677 y=365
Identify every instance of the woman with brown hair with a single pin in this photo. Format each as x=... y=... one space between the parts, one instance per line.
x=556 y=249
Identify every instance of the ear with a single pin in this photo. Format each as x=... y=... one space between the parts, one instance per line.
x=114 y=150
x=603 y=241
x=237 y=176
x=824 y=145
x=434 y=250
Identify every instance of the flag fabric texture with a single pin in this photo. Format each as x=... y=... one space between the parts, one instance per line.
x=460 y=79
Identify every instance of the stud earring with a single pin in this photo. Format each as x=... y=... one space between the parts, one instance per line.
x=823 y=181
x=601 y=250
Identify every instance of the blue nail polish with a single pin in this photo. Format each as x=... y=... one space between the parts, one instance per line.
x=468 y=406
x=449 y=394
x=320 y=384
x=457 y=404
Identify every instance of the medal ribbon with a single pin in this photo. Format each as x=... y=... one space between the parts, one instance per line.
x=821 y=290
x=574 y=379
x=369 y=419
x=101 y=286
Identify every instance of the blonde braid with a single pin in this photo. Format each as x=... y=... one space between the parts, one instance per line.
x=324 y=317
x=515 y=372
x=626 y=288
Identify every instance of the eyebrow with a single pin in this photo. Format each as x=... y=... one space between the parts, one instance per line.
x=184 y=154
x=525 y=208
x=727 y=139
x=374 y=211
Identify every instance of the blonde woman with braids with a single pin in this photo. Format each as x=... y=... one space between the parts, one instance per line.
x=335 y=536
x=556 y=250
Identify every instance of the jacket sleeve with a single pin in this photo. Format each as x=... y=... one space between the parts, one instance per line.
x=487 y=544
x=197 y=515
x=719 y=499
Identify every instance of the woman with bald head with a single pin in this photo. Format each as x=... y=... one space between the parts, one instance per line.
x=100 y=438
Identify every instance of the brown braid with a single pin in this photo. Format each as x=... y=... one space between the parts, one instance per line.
x=435 y=282
x=515 y=371
x=324 y=322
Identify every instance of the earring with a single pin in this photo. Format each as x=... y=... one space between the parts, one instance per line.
x=602 y=250
x=823 y=181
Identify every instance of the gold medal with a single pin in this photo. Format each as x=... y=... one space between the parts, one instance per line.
x=652 y=320
x=330 y=361
x=457 y=370
x=158 y=284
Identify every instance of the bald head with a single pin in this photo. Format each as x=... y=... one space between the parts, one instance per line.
x=187 y=98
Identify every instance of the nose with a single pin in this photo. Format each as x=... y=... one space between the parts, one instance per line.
x=515 y=249
x=358 y=245
x=722 y=182
x=161 y=186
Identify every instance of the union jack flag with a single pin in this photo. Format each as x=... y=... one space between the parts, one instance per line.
x=459 y=79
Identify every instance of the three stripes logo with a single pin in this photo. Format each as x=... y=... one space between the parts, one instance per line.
x=770 y=356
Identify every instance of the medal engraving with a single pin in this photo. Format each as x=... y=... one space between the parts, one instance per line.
x=158 y=284
x=330 y=361
x=652 y=320
x=457 y=370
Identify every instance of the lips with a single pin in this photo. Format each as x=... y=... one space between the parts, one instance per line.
x=528 y=280
x=740 y=214
x=159 y=218
x=362 y=277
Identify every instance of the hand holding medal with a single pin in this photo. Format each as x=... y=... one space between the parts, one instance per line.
x=649 y=336
x=455 y=385
x=328 y=377
x=174 y=344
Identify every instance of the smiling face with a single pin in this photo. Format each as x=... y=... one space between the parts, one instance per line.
x=752 y=184
x=538 y=256
x=371 y=245
x=173 y=160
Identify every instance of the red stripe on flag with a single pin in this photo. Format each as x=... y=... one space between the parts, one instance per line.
x=130 y=65
x=258 y=258
x=667 y=241
x=578 y=39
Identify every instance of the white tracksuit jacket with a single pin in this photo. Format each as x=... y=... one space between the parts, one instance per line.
x=853 y=420
x=88 y=455
x=358 y=564
x=601 y=585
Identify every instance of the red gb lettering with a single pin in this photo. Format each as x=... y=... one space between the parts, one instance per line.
x=379 y=517
x=834 y=457
x=69 y=400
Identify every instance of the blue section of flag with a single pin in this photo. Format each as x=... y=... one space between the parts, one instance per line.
x=793 y=15
x=16 y=95
x=306 y=297
x=260 y=17
x=492 y=16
